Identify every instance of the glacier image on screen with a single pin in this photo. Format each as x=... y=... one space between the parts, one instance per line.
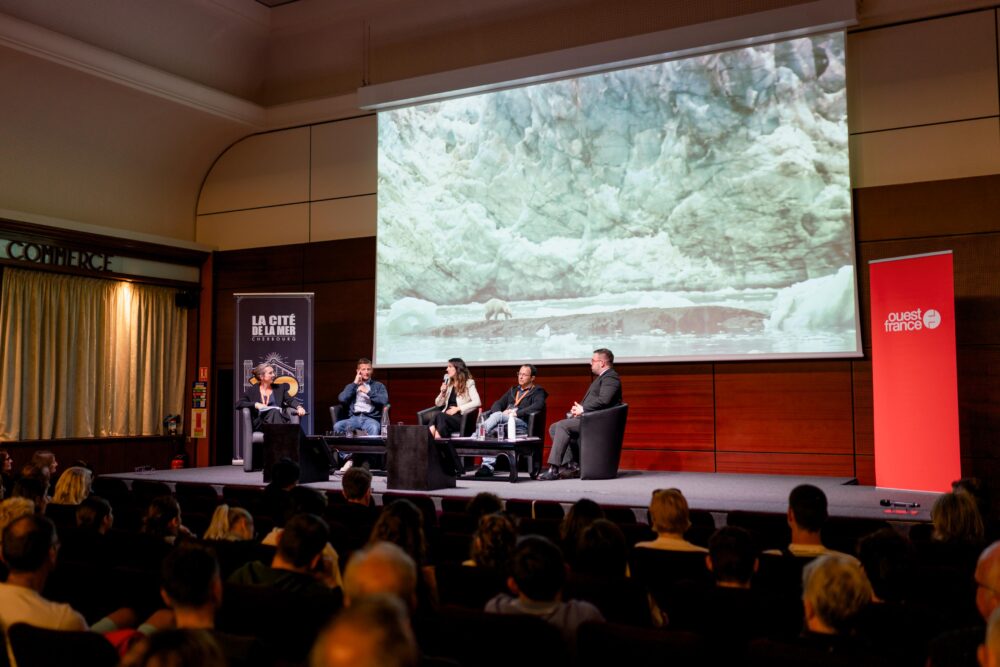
x=691 y=209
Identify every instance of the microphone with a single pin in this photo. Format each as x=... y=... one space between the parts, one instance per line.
x=885 y=502
x=446 y=378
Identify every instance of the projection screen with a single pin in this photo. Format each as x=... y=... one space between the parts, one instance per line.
x=696 y=209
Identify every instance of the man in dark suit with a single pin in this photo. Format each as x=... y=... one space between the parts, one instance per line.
x=605 y=392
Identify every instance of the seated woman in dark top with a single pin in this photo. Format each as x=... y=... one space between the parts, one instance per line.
x=267 y=401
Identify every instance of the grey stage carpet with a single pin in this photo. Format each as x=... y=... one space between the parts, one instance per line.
x=716 y=492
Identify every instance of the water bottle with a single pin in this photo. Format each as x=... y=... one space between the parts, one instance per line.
x=385 y=422
x=511 y=428
x=480 y=426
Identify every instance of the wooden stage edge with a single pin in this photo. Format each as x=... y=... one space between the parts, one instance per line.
x=715 y=492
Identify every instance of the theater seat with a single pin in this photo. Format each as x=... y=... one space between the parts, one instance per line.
x=39 y=647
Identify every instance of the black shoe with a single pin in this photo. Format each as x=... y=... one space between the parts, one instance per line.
x=485 y=470
x=570 y=471
x=550 y=474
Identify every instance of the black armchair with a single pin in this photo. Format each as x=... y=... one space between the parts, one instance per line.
x=426 y=417
x=600 y=443
x=251 y=439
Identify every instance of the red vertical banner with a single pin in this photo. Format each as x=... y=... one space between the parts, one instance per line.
x=914 y=377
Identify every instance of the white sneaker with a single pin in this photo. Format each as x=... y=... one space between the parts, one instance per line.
x=347 y=466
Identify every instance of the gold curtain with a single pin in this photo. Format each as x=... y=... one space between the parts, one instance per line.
x=85 y=357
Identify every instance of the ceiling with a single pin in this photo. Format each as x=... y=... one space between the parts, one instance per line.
x=115 y=110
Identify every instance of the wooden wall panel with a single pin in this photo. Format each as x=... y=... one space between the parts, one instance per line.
x=764 y=463
x=979 y=400
x=864 y=466
x=103 y=455
x=864 y=420
x=646 y=459
x=670 y=407
x=784 y=407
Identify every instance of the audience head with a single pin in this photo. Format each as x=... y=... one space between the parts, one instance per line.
x=834 y=591
x=6 y=463
x=357 y=485
x=601 y=551
x=176 y=648
x=43 y=458
x=94 y=515
x=381 y=568
x=301 y=542
x=190 y=575
x=956 y=519
x=14 y=508
x=886 y=556
x=980 y=491
x=306 y=500
x=285 y=473
x=538 y=571
x=163 y=518
x=29 y=544
x=807 y=507
x=484 y=503
x=402 y=523
x=33 y=489
x=669 y=513
x=230 y=523
x=988 y=580
x=732 y=557
x=493 y=542
x=373 y=632
x=73 y=486
x=583 y=513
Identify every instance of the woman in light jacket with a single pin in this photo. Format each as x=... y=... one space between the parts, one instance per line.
x=458 y=396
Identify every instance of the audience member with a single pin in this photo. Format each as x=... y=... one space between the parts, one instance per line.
x=176 y=648
x=357 y=487
x=381 y=568
x=669 y=518
x=6 y=473
x=807 y=512
x=14 y=508
x=305 y=500
x=275 y=502
x=886 y=557
x=43 y=458
x=192 y=588
x=352 y=522
x=163 y=520
x=582 y=513
x=538 y=574
x=73 y=486
x=232 y=524
x=372 y=632
x=601 y=551
x=29 y=549
x=299 y=565
x=493 y=543
x=402 y=524
x=959 y=647
x=989 y=650
x=90 y=542
x=33 y=488
x=483 y=503
x=956 y=519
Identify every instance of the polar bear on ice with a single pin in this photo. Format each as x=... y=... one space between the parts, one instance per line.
x=497 y=307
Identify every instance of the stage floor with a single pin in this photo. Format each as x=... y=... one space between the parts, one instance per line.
x=716 y=492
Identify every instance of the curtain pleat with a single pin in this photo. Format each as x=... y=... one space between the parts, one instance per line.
x=85 y=357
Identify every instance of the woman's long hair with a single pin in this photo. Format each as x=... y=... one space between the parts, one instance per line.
x=462 y=375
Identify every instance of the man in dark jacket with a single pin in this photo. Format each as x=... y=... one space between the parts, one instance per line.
x=605 y=392
x=521 y=400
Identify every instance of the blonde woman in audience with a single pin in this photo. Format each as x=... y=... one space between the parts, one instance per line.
x=230 y=523
x=73 y=486
x=835 y=590
x=956 y=519
x=670 y=518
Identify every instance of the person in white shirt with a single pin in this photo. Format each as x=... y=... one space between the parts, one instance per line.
x=30 y=546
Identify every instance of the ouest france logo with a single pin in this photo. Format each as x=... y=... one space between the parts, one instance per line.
x=912 y=320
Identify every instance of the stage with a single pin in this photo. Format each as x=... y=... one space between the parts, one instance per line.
x=715 y=492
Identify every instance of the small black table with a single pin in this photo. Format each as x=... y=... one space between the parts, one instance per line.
x=529 y=448
x=365 y=444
